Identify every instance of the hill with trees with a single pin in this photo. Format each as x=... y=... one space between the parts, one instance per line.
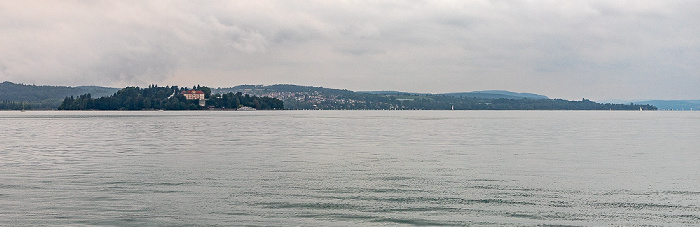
x=306 y=97
x=166 y=98
x=498 y=94
x=281 y=96
x=22 y=96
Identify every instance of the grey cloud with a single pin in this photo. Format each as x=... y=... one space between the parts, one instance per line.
x=568 y=49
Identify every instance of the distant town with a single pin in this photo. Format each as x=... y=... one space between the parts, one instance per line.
x=277 y=97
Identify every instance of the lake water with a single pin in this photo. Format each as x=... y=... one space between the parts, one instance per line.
x=340 y=168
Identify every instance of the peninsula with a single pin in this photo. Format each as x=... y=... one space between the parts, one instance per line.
x=170 y=98
x=277 y=97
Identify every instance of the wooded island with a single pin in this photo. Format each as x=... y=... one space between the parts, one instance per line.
x=169 y=98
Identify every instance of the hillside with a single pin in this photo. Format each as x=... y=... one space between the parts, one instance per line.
x=306 y=97
x=492 y=94
x=498 y=94
x=20 y=96
x=44 y=97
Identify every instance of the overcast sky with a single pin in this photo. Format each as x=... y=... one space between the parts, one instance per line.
x=563 y=49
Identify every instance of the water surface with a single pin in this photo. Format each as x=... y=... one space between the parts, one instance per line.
x=339 y=168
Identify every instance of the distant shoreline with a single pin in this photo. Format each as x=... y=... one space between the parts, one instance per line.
x=664 y=110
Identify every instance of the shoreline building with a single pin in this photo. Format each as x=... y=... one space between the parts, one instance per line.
x=195 y=95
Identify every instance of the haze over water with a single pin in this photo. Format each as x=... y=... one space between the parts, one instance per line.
x=338 y=168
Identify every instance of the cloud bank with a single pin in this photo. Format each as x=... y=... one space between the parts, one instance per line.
x=565 y=49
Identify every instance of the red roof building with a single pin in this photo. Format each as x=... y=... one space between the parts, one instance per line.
x=193 y=94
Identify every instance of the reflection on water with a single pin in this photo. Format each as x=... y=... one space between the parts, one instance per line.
x=335 y=168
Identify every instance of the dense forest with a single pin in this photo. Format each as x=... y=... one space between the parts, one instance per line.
x=22 y=96
x=231 y=100
x=166 y=98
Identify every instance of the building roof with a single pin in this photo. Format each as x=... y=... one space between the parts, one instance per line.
x=192 y=92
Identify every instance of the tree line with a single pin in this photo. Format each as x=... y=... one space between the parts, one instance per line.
x=235 y=100
x=447 y=102
x=306 y=97
x=24 y=96
x=165 y=98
